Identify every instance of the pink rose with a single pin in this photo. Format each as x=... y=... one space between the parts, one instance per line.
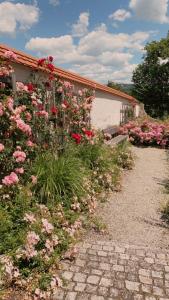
x=19 y=170
x=30 y=144
x=10 y=55
x=2 y=147
x=34 y=179
x=10 y=179
x=20 y=156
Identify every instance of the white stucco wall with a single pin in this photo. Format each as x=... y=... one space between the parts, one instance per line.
x=106 y=107
x=137 y=110
x=22 y=73
x=106 y=110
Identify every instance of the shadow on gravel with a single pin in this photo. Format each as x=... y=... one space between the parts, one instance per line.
x=155 y=222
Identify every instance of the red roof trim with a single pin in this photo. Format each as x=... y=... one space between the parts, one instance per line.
x=31 y=62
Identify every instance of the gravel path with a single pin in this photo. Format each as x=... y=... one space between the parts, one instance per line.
x=133 y=215
x=132 y=261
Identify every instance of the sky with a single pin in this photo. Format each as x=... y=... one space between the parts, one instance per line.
x=99 y=39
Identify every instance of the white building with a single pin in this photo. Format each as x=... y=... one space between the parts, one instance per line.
x=110 y=106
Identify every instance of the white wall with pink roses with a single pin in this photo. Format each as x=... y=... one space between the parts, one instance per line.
x=106 y=109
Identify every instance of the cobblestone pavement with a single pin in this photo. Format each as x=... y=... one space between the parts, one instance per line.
x=104 y=270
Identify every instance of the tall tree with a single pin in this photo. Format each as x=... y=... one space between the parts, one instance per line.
x=151 y=78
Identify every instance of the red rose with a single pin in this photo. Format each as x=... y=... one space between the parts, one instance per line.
x=54 y=110
x=50 y=58
x=30 y=87
x=89 y=133
x=51 y=67
x=77 y=137
x=41 y=61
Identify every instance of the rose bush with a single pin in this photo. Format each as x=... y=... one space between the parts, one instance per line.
x=52 y=166
x=147 y=132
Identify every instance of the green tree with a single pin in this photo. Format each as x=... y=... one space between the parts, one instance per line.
x=123 y=87
x=151 y=78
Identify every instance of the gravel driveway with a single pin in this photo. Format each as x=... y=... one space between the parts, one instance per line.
x=133 y=215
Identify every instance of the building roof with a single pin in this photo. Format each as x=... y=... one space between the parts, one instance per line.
x=31 y=62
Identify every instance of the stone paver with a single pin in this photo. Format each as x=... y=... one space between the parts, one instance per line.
x=117 y=279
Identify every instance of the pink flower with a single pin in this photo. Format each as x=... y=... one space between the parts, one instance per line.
x=49 y=246
x=80 y=93
x=1 y=110
x=28 y=116
x=20 y=156
x=30 y=218
x=10 y=179
x=10 y=103
x=34 y=179
x=2 y=85
x=30 y=144
x=23 y=126
x=20 y=87
x=10 y=55
x=32 y=238
x=47 y=227
x=55 y=240
x=42 y=113
x=19 y=170
x=2 y=147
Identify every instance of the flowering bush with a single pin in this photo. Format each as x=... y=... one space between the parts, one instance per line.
x=147 y=133
x=53 y=165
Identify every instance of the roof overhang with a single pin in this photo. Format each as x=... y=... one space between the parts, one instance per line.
x=31 y=62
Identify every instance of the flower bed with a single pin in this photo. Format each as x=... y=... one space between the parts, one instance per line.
x=147 y=133
x=53 y=165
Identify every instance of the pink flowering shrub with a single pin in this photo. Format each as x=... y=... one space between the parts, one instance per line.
x=52 y=166
x=147 y=133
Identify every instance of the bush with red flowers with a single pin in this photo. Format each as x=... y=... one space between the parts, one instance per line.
x=52 y=166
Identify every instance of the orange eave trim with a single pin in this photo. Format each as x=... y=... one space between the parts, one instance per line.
x=31 y=62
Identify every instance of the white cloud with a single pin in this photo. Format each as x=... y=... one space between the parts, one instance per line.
x=54 y=2
x=99 y=55
x=150 y=10
x=98 y=41
x=120 y=15
x=17 y=16
x=81 y=27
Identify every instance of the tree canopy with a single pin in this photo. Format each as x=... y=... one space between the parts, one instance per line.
x=151 y=78
x=123 y=87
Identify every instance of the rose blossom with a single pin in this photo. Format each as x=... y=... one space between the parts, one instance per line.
x=10 y=179
x=28 y=116
x=23 y=126
x=10 y=55
x=1 y=110
x=2 y=147
x=20 y=156
x=19 y=170
x=10 y=103
x=20 y=87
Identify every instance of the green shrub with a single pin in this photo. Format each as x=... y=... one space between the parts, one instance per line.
x=123 y=157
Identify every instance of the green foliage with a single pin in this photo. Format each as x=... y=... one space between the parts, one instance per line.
x=123 y=156
x=151 y=79
x=123 y=87
x=59 y=178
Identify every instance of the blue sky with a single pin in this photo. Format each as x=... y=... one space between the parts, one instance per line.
x=99 y=39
